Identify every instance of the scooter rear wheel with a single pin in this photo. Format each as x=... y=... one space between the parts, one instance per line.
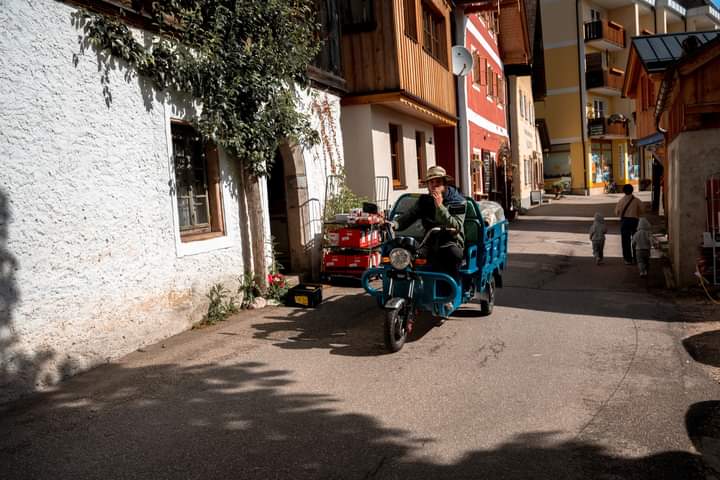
x=486 y=306
x=396 y=330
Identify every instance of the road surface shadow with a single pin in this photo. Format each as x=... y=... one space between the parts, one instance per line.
x=529 y=224
x=347 y=324
x=570 y=207
x=702 y=421
x=576 y=285
x=704 y=347
x=251 y=422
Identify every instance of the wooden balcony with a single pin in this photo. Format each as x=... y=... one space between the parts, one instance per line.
x=605 y=82
x=605 y=35
x=402 y=60
x=602 y=128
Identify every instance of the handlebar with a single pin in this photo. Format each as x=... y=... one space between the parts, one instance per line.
x=435 y=230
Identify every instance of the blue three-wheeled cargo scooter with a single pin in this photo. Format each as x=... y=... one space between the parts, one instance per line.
x=409 y=285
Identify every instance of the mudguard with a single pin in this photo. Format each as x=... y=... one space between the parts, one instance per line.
x=394 y=303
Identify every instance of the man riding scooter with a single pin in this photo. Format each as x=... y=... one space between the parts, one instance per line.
x=444 y=206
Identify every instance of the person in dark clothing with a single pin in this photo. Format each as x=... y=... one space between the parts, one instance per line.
x=657 y=174
x=629 y=209
x=443 y=206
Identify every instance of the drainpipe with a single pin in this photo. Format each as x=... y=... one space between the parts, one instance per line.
x=462 y=129
x=580 y=95
x=654 y=9
x=509 y=91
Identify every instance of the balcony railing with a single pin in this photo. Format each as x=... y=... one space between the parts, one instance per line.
x=601 y=127
x=607 y=79
x=610 y=32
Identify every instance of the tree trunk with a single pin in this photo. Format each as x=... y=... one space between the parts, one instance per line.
x=257 y=229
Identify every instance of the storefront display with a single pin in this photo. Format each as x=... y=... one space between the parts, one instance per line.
x=601 y=162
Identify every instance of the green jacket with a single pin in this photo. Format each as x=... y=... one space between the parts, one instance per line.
x=452 y=200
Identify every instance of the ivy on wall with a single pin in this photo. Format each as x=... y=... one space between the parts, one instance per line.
x=239 y=59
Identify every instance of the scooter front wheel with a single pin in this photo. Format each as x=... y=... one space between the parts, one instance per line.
x=396 y=329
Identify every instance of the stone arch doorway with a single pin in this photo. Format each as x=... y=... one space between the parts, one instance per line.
x=287 y=200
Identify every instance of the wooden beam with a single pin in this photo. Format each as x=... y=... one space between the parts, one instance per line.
x=486 y=7
x=371 y=98
x=707 y=107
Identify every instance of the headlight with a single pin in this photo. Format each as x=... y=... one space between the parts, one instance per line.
x=400 y=258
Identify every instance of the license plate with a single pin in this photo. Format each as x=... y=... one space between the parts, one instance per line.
x=302 y=300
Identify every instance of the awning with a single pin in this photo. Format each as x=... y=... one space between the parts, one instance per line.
x=653 y=139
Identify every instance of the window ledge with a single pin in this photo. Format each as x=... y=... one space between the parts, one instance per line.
x=195 y=237
x=197 y=245
x=400 y=187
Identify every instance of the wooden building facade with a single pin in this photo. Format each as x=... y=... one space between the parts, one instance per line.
x=400 y=112
x=397 y=53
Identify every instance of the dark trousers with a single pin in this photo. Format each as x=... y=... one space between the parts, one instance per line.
x=446 y=259
x=628 y=227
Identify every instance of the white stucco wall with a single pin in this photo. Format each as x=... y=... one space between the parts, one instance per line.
x=524 y=141
x=358 y=140
x=693 y=156
x=321 y=161
x=98 y=269
x=366 y=130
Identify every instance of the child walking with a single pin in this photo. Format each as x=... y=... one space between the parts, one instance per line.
x=597 y=237
x=641 y=243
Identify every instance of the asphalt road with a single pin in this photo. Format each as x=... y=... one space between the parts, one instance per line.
x=578 y=373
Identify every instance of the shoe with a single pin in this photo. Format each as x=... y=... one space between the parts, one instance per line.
x=597 y=261
x=627 y=262
x=439 y=321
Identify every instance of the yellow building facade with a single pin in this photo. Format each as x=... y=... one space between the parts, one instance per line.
x=590 y=125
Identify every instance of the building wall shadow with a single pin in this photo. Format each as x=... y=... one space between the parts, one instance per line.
x=575 y=285
x=20 y=371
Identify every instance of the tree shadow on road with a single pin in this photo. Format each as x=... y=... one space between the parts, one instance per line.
x=252 y=422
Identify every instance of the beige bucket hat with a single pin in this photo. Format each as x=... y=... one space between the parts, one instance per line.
x=437 y=171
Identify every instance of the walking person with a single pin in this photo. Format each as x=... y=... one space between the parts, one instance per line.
x=641 y=243
x=597 y=236
x=629 y=209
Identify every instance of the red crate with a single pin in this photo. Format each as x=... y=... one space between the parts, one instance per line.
x=364 y=261
x=359 y=238
x=335 y=260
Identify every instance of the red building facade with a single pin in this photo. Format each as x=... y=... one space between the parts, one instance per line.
x=486 y=113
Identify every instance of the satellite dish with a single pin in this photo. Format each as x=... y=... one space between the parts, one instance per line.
x=462 y=61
